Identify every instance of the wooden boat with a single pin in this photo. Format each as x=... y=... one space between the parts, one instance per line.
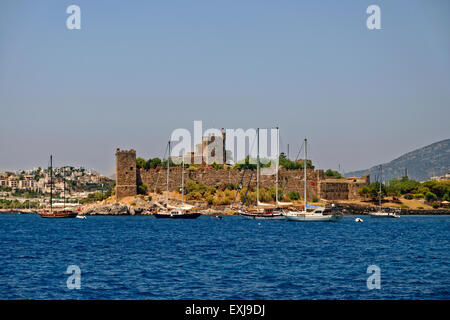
x=183 y=211
x=58 y=214
x=263 y=211
x=262 y=214
x=64 y=213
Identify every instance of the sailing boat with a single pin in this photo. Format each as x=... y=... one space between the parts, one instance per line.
x=315 y=213
x=263 y=210
x=56 y=213
x=176 y=212
x=380 y=213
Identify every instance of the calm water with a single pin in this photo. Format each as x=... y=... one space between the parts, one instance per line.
x=233 y=258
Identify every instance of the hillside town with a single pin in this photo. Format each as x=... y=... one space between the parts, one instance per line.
x=70 y=185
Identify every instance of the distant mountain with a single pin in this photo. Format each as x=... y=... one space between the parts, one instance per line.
x=422 y=164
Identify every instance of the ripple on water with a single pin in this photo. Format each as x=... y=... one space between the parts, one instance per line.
x=233 y=258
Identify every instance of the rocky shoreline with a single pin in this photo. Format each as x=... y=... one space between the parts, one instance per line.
x=355 y=209
x=115 y=209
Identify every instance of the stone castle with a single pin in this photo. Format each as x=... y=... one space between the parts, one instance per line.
x=128 y=176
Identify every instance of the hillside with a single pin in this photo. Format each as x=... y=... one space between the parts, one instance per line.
x=422 y=164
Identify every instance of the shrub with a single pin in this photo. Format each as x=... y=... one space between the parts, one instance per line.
x=364 y=192
x=418 y=196
x=332 y=174
x=293 y=195
x=408 y=196
x=420 y=208
x=229 y=186
x=209 y=199
x=435 y=205
x=315 y=199
x=446 y=197
x=217 y=166
x=430 y=196
x=142 y=189
x=195 y=195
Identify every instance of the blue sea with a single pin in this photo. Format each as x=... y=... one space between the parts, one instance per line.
x=140 y=257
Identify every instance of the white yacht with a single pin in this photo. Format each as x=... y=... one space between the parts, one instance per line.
x=380 y=213
x=319 y=214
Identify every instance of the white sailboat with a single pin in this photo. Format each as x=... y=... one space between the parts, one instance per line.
x=316 y=214
x=380 y=213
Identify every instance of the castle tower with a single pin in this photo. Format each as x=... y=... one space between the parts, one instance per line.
x=126 y=174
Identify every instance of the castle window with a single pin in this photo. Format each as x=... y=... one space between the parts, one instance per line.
x=131 y=168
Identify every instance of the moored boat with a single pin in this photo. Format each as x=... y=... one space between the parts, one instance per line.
x=176 y=212
x=58 y=214
x=319 y=215
x=50 y=213
x=315 y=213
x=263 y=211
x=380 y=213
x=262 y=214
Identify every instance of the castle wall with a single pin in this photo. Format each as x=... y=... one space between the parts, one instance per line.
x=128 y=177
x=126 y=174
x=155 y=179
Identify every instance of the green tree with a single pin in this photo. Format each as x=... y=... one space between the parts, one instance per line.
x=332 y=174
x=430 y=196
x=152 y=163
x=364 y=192
x=140 y=163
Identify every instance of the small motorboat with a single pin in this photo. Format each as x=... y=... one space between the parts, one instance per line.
x=80 y=217
x=381 y=214
x=359 y=220
x=176 y=214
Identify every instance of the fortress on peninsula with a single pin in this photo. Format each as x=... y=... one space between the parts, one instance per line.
x=129 y=176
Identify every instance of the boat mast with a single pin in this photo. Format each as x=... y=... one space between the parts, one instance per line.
x=168 y=170
x=278 y=159
x=51 y=183
x=381 y=175
x=182 y=181
x=64 y=188
x=304 y=169
x=257 y=166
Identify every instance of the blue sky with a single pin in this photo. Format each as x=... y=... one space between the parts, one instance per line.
x=139 y=69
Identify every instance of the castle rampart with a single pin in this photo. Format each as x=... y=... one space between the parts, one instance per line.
x=128 y=176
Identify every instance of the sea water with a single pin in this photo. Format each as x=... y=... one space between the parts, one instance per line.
x=140 y=257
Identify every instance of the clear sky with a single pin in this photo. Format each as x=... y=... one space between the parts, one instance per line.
x=139 y=69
